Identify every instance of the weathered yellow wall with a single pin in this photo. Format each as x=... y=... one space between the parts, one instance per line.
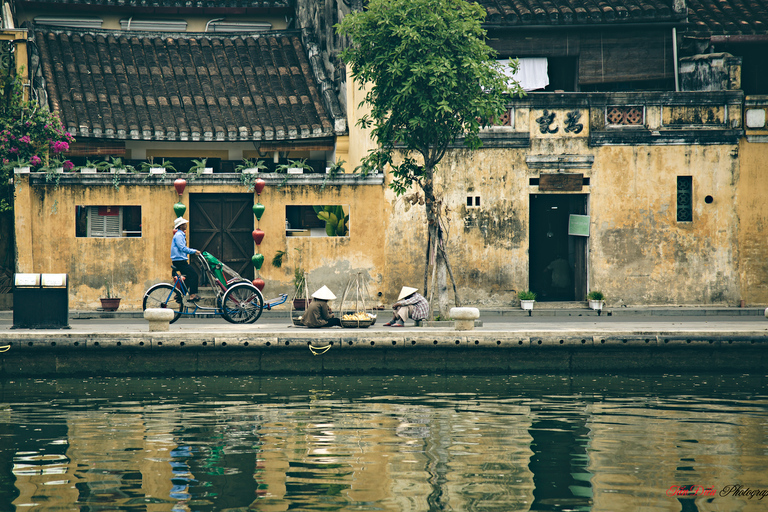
x=46 y=242
x=752 y=194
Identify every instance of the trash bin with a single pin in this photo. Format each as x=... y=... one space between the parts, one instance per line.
x=40 y=301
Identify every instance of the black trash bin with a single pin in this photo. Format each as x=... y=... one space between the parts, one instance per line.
x=40 y=301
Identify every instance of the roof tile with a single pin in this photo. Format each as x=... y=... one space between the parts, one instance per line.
x=186 y=87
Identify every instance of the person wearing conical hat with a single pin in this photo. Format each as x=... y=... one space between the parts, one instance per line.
x=179 y=252
x=410 y=304
x=318 y=313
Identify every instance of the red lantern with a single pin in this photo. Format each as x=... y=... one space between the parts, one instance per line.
x=179 y=185
x=259 y=283
x=258 y=236
x=259 y=185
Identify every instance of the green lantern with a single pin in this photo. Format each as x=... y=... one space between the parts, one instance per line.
x=179 y=209
x=258 y=210
x=257 y=260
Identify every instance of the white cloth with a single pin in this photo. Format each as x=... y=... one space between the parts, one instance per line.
x=531 y=74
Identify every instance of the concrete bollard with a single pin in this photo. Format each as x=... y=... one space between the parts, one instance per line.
x=159 y=318
x=766 y=312
x=465 y=318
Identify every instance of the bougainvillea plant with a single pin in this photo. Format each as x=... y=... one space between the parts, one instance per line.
x=31 y=136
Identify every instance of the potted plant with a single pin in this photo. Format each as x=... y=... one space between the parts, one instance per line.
x=249 y=172
x=153 y=168
x=199 y=167
x=300 y=289
x=527 y=299
x=93 y=167
x=117 y=167
x=109 y=302
x=332 y=171
x=596 y=300
x=20 y=166
x=292 y=167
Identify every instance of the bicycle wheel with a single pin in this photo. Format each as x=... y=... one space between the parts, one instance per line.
x=242 y=304
x=164 y=295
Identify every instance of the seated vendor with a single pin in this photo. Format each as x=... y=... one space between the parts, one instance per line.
x=318 y=313
x=410 y=304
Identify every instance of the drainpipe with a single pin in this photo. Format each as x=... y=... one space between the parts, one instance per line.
x=674 y=57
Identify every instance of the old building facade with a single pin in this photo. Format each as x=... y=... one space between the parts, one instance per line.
x=636 y=169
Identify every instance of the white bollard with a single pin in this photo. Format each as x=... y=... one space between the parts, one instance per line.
x=465 y=318
x=766 y=312
x=159 y=318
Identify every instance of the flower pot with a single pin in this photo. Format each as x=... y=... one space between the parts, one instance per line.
x=300 y=303
x=157 y=170
x=527 y=304
x=295 y=170
x=597 y=305
x=87 y=170
x=207 y=170
x=251 y=170
x=110 y=304
x=20 y=170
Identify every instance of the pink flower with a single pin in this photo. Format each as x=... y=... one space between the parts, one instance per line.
x=68 y=165
x=25 y=139
x=35 y=160
x=59 y=146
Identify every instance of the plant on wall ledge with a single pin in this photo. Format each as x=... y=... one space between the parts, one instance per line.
x=287 y=167
x=249 y=172
x=117 y=167
x=150 y=164
x=333 y=171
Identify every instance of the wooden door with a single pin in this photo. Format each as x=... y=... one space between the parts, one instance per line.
x=222 y=225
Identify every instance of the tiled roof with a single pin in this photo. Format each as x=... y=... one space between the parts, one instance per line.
x=727 y=17
x=164 y=5
x=183 y=87
x=577 y=12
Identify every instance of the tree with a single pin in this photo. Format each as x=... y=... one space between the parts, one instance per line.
x=431 y=80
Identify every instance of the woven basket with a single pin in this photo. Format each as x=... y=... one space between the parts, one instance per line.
x=297 y=322
x=357 y=323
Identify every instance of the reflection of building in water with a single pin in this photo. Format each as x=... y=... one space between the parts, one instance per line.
x=637 y=459
x=107 y=459
x=402 y=457
x=559 y=461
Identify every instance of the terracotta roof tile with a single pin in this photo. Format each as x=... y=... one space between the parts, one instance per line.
x=183 y=87
x=578 y=12
x=728 y=17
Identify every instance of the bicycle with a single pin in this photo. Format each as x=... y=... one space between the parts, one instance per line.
x=237 y=299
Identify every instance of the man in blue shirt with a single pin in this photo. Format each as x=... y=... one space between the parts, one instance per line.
x=179 y=252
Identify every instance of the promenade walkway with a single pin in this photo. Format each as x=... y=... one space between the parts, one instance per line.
x=551 y=340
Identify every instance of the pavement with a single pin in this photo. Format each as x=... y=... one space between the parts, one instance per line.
x=574 y=321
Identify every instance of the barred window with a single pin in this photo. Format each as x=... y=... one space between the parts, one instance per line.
x=684 y=198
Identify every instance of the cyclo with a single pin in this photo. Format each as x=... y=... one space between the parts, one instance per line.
x=237 y=299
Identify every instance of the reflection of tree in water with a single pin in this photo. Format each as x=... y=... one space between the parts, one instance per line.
x=559 y=463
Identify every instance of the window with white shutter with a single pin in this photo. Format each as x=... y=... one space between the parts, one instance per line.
x=108 y=221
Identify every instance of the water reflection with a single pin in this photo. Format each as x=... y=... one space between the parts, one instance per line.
x=506 y=443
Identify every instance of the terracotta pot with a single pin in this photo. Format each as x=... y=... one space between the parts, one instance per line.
x=110 y=304
x=300 y=303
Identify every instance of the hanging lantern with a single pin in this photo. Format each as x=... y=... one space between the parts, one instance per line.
x=258 y=185
x=258 y=236
x=179 y=209
x=179 y=185
x=257 y=260
x=259 y=283
x=258 y=210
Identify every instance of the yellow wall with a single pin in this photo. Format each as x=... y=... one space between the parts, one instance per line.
x=751 y=195
x=46 y=242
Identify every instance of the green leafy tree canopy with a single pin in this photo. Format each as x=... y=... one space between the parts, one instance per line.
x=430 y=78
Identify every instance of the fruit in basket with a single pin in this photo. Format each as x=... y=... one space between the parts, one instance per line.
x=359 y=316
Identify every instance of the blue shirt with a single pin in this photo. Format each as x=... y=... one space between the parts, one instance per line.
x=179 y=249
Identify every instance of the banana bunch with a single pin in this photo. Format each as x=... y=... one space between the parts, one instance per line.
x=360 y=315
x=336 y=222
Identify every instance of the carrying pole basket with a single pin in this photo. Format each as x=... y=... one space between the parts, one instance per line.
x=354 y=312
x=300 y=294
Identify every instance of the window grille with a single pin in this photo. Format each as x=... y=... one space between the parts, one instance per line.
x=684 y=198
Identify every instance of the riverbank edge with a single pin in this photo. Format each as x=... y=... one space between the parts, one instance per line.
x=349 y=353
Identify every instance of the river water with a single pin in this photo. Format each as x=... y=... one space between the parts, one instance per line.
x=429 y=443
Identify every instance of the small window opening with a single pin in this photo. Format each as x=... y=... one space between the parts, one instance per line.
x=108 y=221
x=684 y=198
x=317 y=220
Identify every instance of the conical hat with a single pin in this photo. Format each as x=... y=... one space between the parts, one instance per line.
x=324 y=293
x=406 y=291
